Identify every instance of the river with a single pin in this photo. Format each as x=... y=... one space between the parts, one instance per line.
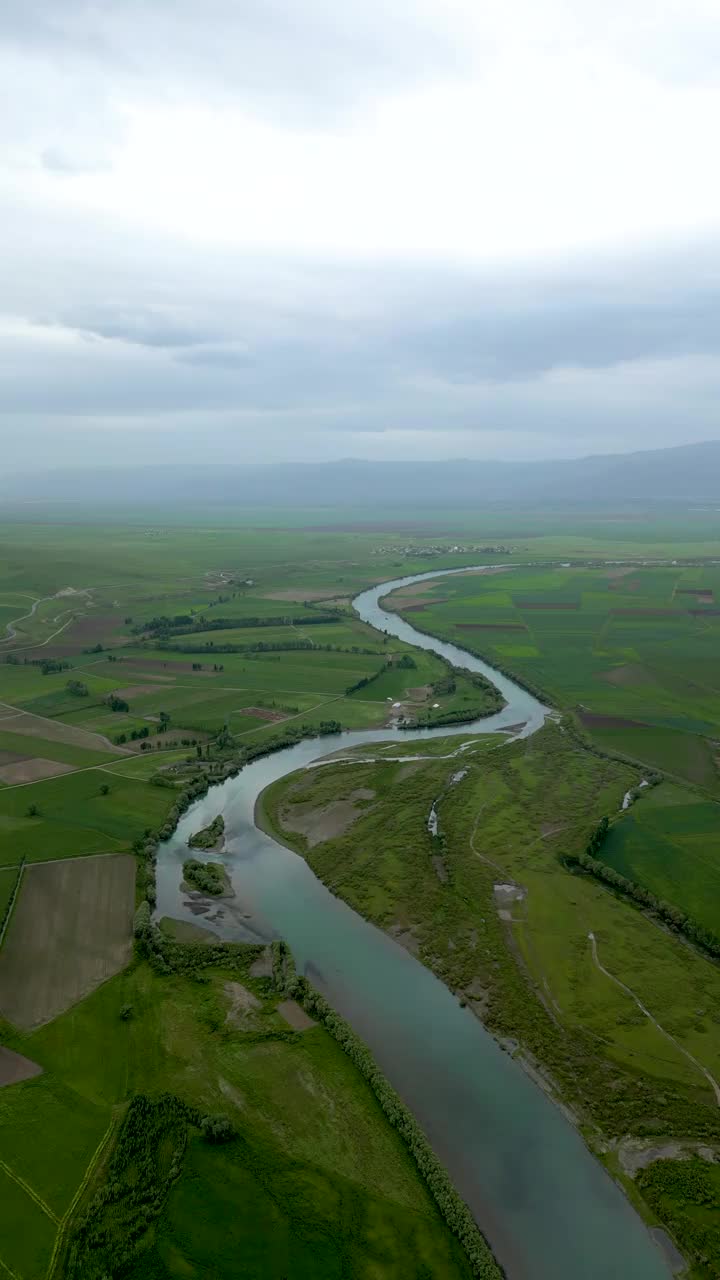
x=548 y=1208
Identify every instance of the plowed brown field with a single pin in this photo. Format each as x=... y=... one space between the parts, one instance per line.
x=71 y=929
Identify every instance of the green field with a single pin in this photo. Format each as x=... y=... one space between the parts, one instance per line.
x=632 y=651
x=74 y=817
x=291 y=1171
x=669 y=841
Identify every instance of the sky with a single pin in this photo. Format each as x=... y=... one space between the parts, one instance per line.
x=254 y=230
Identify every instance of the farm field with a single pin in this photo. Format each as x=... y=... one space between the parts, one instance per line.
x=632 y=651
x=293 y=1182
x=43 y=970
x=74 y=817
x=669 y=841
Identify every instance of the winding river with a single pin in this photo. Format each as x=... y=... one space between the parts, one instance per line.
x=548 y=1208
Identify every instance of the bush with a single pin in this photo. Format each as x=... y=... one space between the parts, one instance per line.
x=77 y=688
x=216 y=1129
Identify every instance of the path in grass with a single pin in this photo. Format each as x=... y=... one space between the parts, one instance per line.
x=29 y=1191
x=66 y=1220
x=710 y=1079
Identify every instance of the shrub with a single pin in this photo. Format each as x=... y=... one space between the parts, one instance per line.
x=216 y=1129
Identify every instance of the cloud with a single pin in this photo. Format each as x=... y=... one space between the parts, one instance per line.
x=387 y=224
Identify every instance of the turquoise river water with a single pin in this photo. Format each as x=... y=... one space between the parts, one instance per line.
x=548 y=1208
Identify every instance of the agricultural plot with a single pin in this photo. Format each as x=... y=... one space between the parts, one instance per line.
x=14 y=1068
x=28 y=1244
x=70 y=930
x=49 y=1132
x=635 y=653
x=70 y=816
x=669 y=841
x=21 y=724
x=17 y=748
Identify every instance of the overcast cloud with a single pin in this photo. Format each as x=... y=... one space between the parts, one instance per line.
x=263 y=229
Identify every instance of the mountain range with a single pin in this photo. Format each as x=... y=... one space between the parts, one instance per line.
x=687 y=474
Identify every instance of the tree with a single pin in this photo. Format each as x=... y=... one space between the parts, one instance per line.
x=77 y=688
x=216 y=1129
x=199 y=750
x=32 y=811
x=126 y=1012
x=104 y=790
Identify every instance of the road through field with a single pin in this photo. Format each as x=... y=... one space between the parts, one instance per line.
x=548 y=1209
x=11 y=632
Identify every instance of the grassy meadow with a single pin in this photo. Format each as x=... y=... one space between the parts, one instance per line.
x=294 y=1187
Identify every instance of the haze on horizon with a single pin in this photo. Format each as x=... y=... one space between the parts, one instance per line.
x=308 y=231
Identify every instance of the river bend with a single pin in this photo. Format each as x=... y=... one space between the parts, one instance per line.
x=548 y=1208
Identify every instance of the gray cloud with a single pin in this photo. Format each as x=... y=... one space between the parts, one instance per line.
x=629 y=354
x=144 y=325
x=120 y=341
x=297 y=62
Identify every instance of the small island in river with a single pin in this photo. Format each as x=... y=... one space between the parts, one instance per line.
x=206 y=877
x=212 y=837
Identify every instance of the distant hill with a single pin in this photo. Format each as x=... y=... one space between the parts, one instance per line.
x=687 y=473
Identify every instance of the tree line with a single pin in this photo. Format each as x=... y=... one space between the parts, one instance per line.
x=671 y=915
x=137 y=1184
x=189 y=624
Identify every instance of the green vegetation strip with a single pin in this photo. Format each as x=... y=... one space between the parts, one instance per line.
x=8 y=910
x=452 y=1207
